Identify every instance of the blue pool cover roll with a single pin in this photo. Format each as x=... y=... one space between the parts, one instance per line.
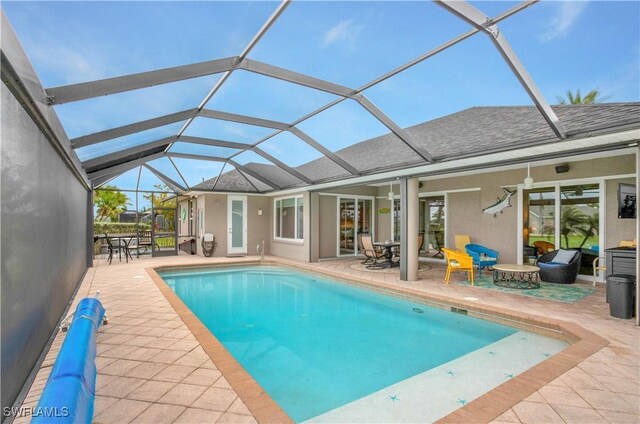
x=69 y=394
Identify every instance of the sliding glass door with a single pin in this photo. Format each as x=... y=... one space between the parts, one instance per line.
x=431 y=224
x=355 y=217
x=347 y=224
x=564 y=216
x=434 y=228
x=539 y=222
x=580 y=222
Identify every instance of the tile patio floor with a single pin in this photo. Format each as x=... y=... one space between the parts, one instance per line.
x=151 y=369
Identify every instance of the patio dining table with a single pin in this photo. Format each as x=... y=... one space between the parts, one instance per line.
x=388 y=253
x=122 y=238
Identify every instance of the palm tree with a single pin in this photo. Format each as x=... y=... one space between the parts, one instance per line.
x=570 y=220
x=589 y=229
x=593 y=96
x=109 y=203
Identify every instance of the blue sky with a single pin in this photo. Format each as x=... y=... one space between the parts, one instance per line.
x=564 y=45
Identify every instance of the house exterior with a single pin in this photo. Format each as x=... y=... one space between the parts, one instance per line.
x=484 y=150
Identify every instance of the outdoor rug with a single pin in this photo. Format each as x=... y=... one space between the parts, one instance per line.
x=396 y=270
x=568 y=293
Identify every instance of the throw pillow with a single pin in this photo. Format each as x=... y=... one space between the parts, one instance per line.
x=564 y=256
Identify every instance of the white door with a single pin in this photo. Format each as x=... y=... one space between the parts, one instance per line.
x=237 y=222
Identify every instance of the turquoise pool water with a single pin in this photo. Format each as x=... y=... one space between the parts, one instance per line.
x=315 y=344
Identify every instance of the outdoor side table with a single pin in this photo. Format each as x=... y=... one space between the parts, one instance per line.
x=516 y=276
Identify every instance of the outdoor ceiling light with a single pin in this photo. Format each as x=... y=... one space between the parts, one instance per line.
x=528 y=182
x=390 y=195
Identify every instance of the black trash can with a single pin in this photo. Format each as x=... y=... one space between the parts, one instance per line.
x=622 y=294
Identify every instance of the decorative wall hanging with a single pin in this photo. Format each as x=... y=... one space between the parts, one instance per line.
x=627 y=201
x=503 y=202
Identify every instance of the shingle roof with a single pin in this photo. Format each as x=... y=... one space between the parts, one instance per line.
x=474 y=131
x=229 y=181
x=274 y=174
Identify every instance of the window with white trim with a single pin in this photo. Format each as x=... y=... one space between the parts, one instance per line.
x=289 y=218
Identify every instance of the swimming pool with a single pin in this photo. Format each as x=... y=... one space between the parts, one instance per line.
x=317 y=345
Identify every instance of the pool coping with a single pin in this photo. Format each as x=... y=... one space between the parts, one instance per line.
x=582 y=344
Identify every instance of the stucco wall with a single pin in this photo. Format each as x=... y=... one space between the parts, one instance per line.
x=328 y=237
x=258 y=225
x=215 y=207
x=215 y=220
x=183 y=225
x=383 y=220
x=44 y=242
x=462 y=216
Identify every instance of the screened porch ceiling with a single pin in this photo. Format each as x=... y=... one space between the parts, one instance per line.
x=274 y=116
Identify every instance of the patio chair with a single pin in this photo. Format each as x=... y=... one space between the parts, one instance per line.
x=458 y=261
x=598 y=266
x=461 y=240
x=361 y=248
x=396 y=251
x=144 y=242
x=371 y=252
x=437 y=241
x=483 y=257
x=118 y=245
x=554 y=269
x=543 y=247
x=530 y=254
x=209 y=245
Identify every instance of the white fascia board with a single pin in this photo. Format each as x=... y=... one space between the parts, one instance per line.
x=542 y=151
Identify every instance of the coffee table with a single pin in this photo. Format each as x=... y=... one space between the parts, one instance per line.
x=516 y=276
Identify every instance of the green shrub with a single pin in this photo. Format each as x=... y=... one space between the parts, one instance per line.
x=119 y=227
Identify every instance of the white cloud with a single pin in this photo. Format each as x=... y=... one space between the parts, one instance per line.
x=344 y=31
x=70 y=65
x=236 y=130
x=566 y=15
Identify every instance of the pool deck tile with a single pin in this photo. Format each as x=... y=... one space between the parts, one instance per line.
x=198 y=416
x=144 y=326
x=151 y=391
x=123 y=411
x=533 y=413
x=578 y=415
x=160 y=414
x=183 y=394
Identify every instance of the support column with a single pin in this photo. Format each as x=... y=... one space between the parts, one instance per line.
x=409 y=215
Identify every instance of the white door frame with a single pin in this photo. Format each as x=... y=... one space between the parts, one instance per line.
x=557 y=185
x=230 y=248
x=355 y=198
